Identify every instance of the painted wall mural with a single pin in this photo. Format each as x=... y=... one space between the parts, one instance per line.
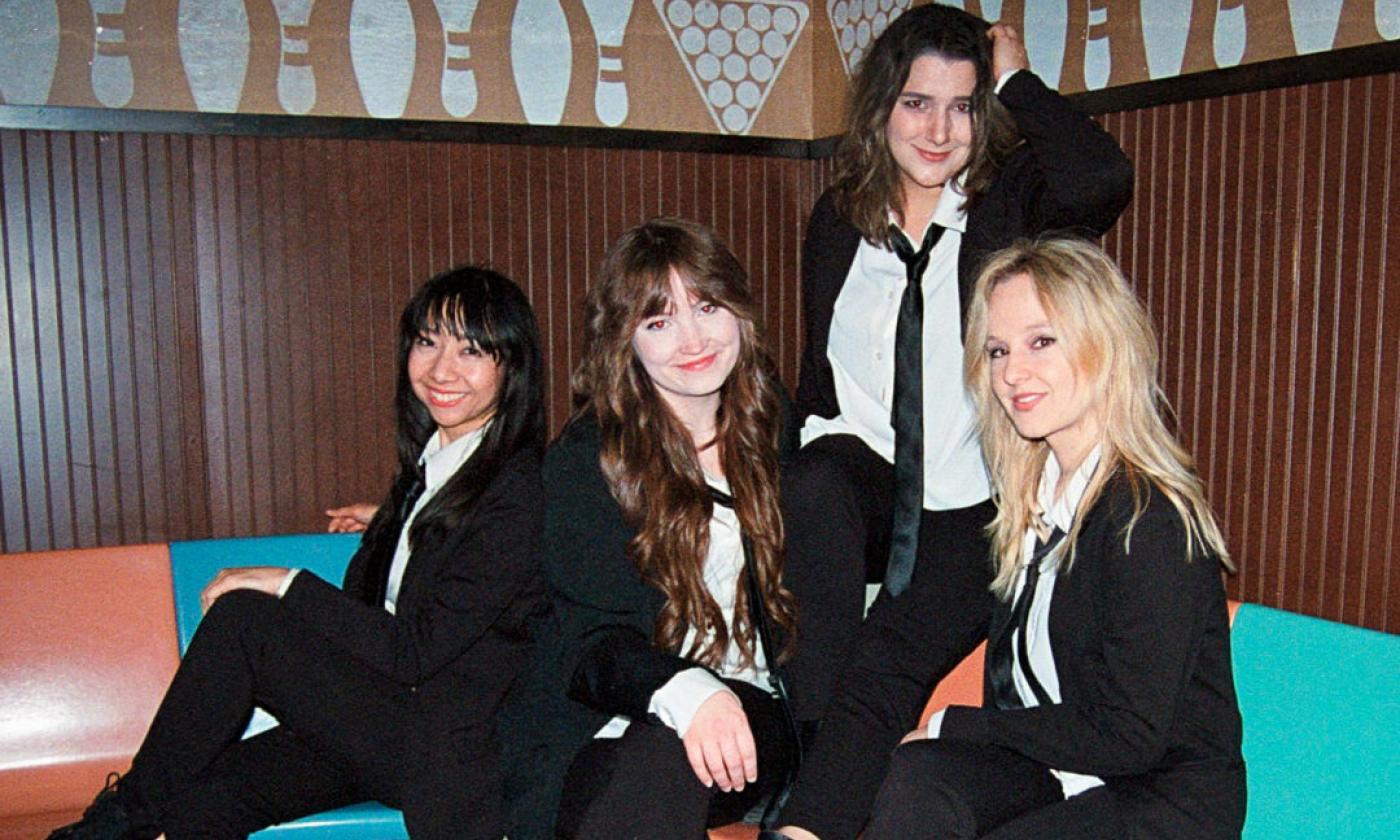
x=773 y=68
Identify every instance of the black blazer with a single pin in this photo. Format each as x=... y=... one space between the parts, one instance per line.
x=1141 y=642
x=460 y=635
x=1069 y=174
x=594 y=657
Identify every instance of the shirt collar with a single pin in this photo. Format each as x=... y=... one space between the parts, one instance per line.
x=1059 y=513
x=441 y=462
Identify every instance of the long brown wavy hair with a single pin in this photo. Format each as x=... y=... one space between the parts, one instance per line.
x=649 y=457
x=867 y=177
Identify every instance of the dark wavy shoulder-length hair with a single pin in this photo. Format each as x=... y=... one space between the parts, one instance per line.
x=867 y=176
x=649 y=457
x=486 y=308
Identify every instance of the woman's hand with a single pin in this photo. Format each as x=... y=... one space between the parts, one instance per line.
x=720 y=745
x=351 y=519
x=258 y=578
x=1008 y=52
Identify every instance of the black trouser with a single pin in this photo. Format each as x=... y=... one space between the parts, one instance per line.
x=869 y=685
x=641 y=786
x=347 y=735
x=961 y=791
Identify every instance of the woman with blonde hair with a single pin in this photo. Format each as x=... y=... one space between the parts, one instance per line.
x=657 y=707
x=1109 y=707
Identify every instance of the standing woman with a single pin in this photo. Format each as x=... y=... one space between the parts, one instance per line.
x=386 y=689
x=953 y=149
x=657 y=710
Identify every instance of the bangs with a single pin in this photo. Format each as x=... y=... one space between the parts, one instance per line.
x=466 y=317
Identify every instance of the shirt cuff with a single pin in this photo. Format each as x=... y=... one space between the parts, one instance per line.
x=287 y=582
x=935 y=723
x=676 y=702
x=1005 y=77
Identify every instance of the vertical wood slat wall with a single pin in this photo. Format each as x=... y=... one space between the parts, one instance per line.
x=1264 y=239
x=200 y=329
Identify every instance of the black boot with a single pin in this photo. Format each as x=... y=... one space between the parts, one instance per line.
x=105 y=819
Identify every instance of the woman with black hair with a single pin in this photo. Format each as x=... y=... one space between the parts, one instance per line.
x=385 y=689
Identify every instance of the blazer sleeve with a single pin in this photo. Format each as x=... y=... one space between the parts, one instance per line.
x=1070 y=173
x=827 y=250
x=603 y=608
x=1116 y=717
x=473 y=581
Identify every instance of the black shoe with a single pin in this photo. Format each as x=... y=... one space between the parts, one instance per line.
x=104 y=819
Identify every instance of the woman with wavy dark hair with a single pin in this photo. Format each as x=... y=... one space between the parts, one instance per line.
x=953 y=149
x=659 y=708
x=386 y=688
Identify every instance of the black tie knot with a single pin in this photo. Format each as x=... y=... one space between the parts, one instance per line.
x=915 y=261
x=721 y=498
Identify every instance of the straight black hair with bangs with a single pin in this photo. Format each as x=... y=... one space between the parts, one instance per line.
x=486 y=308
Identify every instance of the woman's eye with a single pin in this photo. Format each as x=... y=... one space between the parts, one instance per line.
x=423 y=341
x=658 y=324
x=1043 y=341
x=708 y=308
x=996 y=352
x=914 y=104
x=471 y=350
x=963 y=107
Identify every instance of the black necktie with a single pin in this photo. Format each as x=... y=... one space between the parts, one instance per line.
x=376 y=584
x=907 y=416
x=1001 y=662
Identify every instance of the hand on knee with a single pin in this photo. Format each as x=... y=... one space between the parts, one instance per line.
x=720 y=745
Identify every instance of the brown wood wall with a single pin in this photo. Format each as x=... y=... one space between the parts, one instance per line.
x=1263 y=238
x=200 y=329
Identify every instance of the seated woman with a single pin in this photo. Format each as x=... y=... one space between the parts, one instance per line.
x=663 y=554
x=386 y=689
x=1109 y=703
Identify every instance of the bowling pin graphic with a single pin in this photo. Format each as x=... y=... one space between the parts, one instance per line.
x=112 y=82
x=1164 y=36
x=383 y=46
x=1046 y=25
x=1388 y=19
x=458 y=78
x=1314 y=24
x=1230 y=33
x=609 y=21
x=1098 y=59
x=29 y=29
x=214 y=50
x=541 y=59
x=296 y=82
x=991 y=10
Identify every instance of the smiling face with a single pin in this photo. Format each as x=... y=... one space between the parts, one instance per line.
x=457 y=382
x=688 y=351
x=929 y=131
x=1033 y=376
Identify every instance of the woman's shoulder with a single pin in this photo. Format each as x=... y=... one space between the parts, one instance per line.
x=576 y=447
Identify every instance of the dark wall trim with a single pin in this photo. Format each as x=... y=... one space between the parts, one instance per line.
x=1367 y=60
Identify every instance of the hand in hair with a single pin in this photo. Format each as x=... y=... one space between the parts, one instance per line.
x=1008 y=52
x=258 y=578
x=351 y=519
x=720 y=744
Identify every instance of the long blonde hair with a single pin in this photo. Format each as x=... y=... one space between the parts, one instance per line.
x=1110 y=341
x=647 y=455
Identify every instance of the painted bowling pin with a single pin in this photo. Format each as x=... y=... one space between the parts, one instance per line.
x=541 y=59
x=1098 y=60
x=991 y=10
x=29 y=29
x=609 y=21
x=214 y=50
x=1388 y=19
x=296 y=81
x=383 y=46
x=1046 y=25
x=112 y=81
x=458 y=88
x=1314 y=24
x=1230 y=33
x=1164 y=36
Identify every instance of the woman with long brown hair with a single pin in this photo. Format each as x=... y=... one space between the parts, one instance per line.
x=658 y=709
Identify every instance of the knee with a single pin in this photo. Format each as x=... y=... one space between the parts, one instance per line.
x=236 y=610
x=916 y=798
